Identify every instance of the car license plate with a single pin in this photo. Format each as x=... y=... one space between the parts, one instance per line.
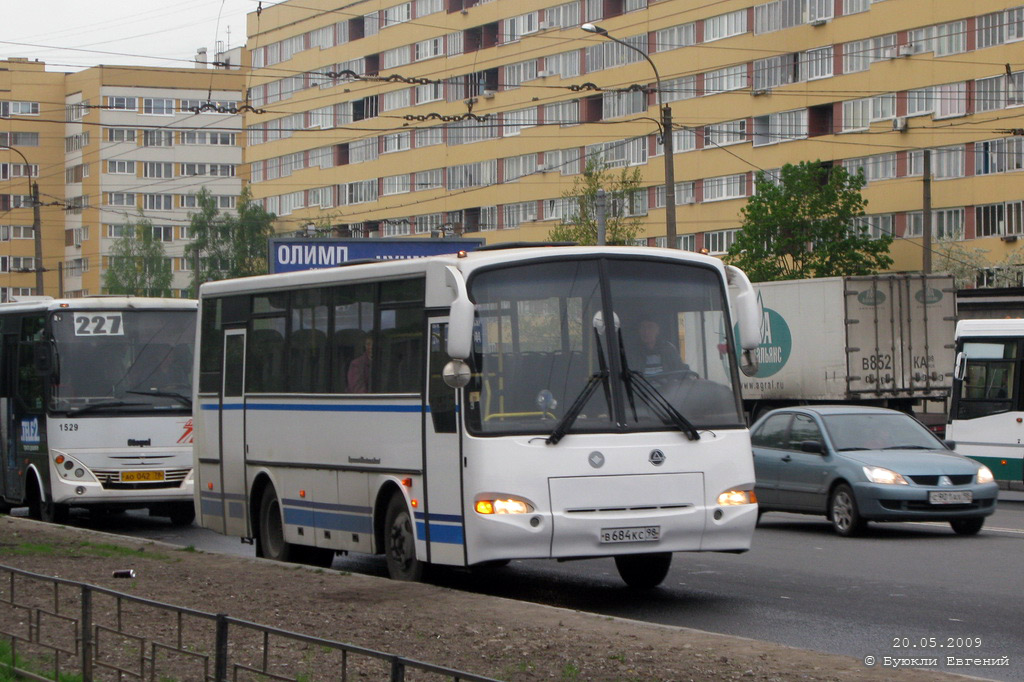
x=950 y=497
x=633 y=534
x=141 y=476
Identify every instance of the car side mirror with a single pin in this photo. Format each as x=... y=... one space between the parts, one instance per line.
x=950 y=444
x=812 y=446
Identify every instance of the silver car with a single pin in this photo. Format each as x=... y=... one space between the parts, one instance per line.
x=860 y=464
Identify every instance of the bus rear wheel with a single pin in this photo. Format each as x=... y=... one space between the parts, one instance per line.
x=400 y=542
x=643 y=571
x=182 y=513
x=272 y=544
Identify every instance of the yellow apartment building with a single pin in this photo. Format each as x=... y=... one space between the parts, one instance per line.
x=381 y=118
x=109 y=146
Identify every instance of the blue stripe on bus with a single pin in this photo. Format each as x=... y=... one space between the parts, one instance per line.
x=211 y=507
x=440 y=518
x=289 y=407
x=355 y=523
x=449 y=535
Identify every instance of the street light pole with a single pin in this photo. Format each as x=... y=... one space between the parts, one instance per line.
x=665 y=124
x=37 y=226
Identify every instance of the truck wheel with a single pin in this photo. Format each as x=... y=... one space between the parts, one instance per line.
x=400 y=542
x=182 y=513
x=846 y=520
x=643 y=571
x=967 y=526
x=271 y=530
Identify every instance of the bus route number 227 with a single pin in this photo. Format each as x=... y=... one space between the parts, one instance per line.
x=98 y=324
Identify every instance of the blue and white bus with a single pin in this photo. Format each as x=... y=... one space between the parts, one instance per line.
x=479 y=407
x=96 y=404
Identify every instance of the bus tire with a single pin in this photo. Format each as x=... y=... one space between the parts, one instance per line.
x=182 y=513
x=271 y=531
x=41 y=509
x=400 y=542
x=643 y=571
x=967 y=526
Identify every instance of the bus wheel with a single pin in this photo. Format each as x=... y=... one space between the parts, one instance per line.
x=42 y=510
x=182 y=513
x=271 y=529
x=643 y=571
x=400 y=542
x=967 y=526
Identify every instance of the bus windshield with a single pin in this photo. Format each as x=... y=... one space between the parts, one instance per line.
x=545 y=344
x=122 y=360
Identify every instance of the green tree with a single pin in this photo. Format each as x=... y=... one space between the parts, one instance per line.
x=966 y=263
x=806 y=225
x=621 y=189
x=138 y=264
x=228 y=244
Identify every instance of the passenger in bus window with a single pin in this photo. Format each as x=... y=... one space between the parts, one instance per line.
x=359 y=369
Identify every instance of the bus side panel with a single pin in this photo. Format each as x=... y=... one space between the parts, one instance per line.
x=994 y=440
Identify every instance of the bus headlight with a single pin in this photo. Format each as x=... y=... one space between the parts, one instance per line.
x=732 y=498
x=508 y=505
x=985 y=475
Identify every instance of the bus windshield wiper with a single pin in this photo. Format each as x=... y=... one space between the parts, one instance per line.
x=574 y=410
x=104 y=405
x=180 y=397
x=661 y=407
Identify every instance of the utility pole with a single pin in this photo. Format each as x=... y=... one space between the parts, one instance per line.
x=670 y=173
x=37 y=236
x=926 y=217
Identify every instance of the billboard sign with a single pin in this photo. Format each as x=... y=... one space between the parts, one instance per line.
x=294 y=254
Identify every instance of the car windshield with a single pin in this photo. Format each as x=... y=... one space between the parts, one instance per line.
x=122 y=360
x=616 y=344
x=878 y=432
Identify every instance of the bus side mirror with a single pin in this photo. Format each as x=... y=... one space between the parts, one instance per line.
x=42 y=358
x=960 y=366
x=460 y=320
x=748 y=318
x=456 y=373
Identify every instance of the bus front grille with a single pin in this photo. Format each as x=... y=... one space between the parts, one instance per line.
x=110 y=479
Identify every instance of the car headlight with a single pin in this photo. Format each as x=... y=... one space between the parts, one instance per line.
x=883 y=475
x=985 y=475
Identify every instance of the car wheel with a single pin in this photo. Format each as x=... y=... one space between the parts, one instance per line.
x=271 y=530
x=643 y=571
x=182 y=513
x=846 y=520
x=967 y=526
x=400 y=542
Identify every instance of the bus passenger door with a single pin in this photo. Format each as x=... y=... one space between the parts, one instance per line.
x=439 y=521
x=232 y=435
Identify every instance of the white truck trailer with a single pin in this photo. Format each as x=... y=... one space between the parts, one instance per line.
x=883 y=340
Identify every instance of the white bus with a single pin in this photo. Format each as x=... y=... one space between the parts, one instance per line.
x=986 y=414
x=476 y=408
x=96 y=398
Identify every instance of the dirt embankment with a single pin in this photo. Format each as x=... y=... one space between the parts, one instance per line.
x=484 y=635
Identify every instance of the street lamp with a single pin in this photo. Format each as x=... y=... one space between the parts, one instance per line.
x=36 y=221
x=666 y=136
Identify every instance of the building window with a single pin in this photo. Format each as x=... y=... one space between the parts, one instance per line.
x=719 y=241
x=121 y=167
x=947 y=223
x=157 y=106
x=725 y=187
x=995 y=220
x=725 y=25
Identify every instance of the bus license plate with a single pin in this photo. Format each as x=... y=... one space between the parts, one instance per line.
x=950 y=497
x=141 y=476
x=633 y=534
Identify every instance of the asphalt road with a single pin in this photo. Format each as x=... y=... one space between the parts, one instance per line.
x=903 y=591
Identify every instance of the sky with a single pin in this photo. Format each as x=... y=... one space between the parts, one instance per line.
x=71 y=35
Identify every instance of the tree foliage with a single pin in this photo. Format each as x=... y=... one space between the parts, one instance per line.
x=620 y=188
x=228 y=244
x=966 y=263
x=805 y=225
x=138 y=265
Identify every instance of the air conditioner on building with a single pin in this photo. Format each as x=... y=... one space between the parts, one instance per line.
x=545 y=73
x=905 y=50
x=757 y=92
x=899 y=124
x=817 y=22
x=487 y=94
x=548 y=24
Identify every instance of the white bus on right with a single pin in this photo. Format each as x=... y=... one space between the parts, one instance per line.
x=986 y=414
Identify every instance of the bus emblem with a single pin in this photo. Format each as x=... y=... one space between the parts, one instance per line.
x=596 y=459
x=186 y=436
x=657 y=458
